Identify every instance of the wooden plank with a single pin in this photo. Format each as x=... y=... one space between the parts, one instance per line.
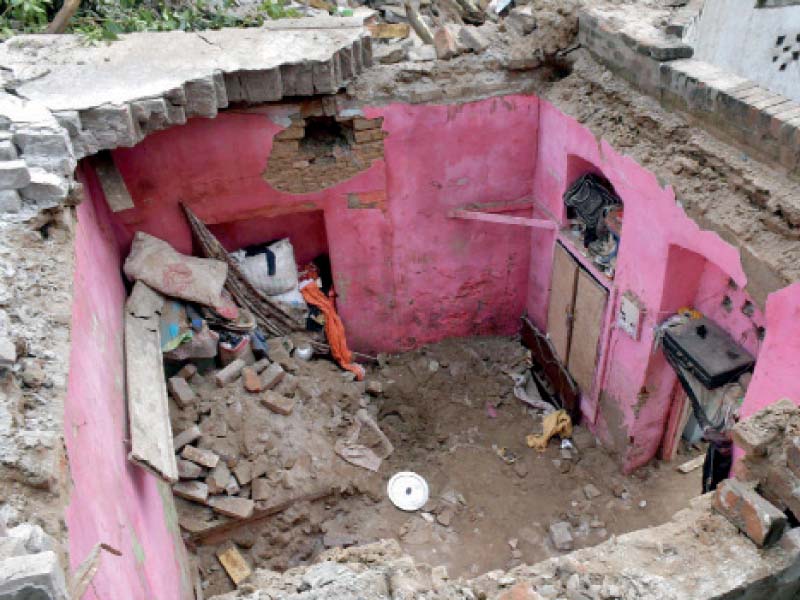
x=562 y=301
x=235 y=565
x=148 y=408
x=114 y=188
x=590 y=309
x=680 y=408
x=383 y=31
x=543 y=353
x=501 y=219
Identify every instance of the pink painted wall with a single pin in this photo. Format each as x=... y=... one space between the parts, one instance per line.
x=112 y=500
x=629 y=404
x=405 y=273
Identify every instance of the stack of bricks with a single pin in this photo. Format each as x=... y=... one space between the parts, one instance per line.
x=297 y=165
x=766 y=485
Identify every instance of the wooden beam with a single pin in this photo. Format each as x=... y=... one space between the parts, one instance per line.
x=502 y=219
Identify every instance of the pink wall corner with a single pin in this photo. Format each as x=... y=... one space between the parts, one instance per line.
x=112 y=501
x=634 y=393
x=776 y=375
x=405 y=273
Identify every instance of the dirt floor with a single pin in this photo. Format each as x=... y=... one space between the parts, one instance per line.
x=435 y=407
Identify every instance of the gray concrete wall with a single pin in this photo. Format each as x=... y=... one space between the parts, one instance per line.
x=762 y=44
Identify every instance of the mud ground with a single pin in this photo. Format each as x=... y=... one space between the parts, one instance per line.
x=484 y=514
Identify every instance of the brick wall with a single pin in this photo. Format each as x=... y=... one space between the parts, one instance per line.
x=319 y=150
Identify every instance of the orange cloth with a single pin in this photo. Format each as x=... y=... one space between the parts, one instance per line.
x=334 y=329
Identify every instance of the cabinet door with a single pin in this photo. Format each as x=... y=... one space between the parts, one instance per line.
x=590 y=307
x=562 y=301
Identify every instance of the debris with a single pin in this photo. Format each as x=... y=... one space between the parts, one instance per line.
x=415 y=19
x=445 y=516
x=252 y=382
x=160 y=266
x=591 y=492
x=756 y=434
x=200 y=456
x=445 y=43
x=261 y=489
x=278 y=403
x=521 y=20
x=408 y=491
x=508 y=457
x=303 y=352
x=691 y=465
x=86 y=571
x=189 y=470
x=32 y=576
x=358 y=454
x=187 y=436
x=238 y=508
x=235 y=565
x=272 y=376
x=525 y=390
x=374 y=387
x=472 y=38
x=8 y=351
x=643 y=504
x=148 y=407
x=243 y=472
x=752 y=514
x=229 y=373
x=187 y=371
x=196 y=491
x=561 y=535
x=793 y=455
x=218 y=479
x=382 y=31
x=556 y=423
x=180 y=391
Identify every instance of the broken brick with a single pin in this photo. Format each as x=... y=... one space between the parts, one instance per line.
x=196 y=491
x=252 y=382
x=200 y=456
x=187 y=436
x=782 y=488
x=261 y=489
x=218 y=479
x=749 y=512
x=793 y=455
x=278 y=403
x=235 y=565
x=238 y=508
x=272 y=376
x=180 y=391
x=243 y=472
x=189 y=470
x=520 y=591
x=445 y=44
x=187 y=371
x=230 y=373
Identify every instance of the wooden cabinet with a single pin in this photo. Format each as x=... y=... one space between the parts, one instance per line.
x=575 y=317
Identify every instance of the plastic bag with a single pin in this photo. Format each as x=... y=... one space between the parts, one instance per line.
x=256 y=269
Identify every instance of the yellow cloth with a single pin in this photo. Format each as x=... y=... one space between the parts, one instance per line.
x=555 y=423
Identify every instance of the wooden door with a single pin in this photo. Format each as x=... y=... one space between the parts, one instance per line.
x=562 y=301
x=589 y=312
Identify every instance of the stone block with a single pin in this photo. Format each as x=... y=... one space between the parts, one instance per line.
x=278 y=403
x=8 y=151
x=472 y=38
x=189 y=470
x=187 y=371
x=749 y=512
x=45 y=188
x=35 y=577
x=205 y=458
x=201 y=97
x=272 y=376
x=238 y=508
x=10 y=201
x=10 y=547
x=230 y=373
x=243 y=472
x=219 y=478
x=445 y=44
x=34 y=537
x=14 y=174
x=561 y=535
x=187 y=436
x=196 y=491
x=180 y=391
x=521 y=20
x=793 y=455
x=261 y=489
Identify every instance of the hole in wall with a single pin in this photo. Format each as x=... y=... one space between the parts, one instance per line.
x=318 y=151
x=779 y=40
x=761 y=333
x=727 y=304
x=748 y=309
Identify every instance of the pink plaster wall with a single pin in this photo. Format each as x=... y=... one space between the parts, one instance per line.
x=405 y=273
x=629 y=404
x=112 y=501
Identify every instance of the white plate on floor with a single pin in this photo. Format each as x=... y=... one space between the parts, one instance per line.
x=407 y=491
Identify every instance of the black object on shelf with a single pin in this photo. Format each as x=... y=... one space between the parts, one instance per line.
x=707 y=351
